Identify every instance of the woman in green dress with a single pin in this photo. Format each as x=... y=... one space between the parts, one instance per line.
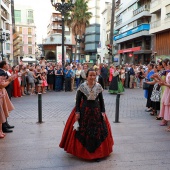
x=116 y=85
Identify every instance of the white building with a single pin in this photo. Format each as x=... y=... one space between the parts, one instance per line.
x=104 y=31
x=5 y=20
x=25 y=27
x=133 y=25
x=160 y=28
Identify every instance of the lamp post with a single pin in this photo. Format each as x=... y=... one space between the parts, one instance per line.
x=63 y=8
x=3 y=37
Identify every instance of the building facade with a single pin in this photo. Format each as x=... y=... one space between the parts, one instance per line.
x=104 y=32
x=25 y=43
x=160 y=28
x=5 y=46
x=55 y=25
x=133 y=25
x=92 y=33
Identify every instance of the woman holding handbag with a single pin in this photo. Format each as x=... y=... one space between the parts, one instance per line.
x=149 y=81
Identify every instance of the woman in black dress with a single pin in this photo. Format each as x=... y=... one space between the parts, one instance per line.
x=50 y=78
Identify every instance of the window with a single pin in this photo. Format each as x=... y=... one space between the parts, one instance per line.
x=8 y=46
x=29 y=40
x=20 y=39
x=17 y=14
x=20 y=30
x=29 y=50
x=30 y=13
x=30 y=16
x=29 y=31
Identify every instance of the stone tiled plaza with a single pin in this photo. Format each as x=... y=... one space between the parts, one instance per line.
x=140 y=143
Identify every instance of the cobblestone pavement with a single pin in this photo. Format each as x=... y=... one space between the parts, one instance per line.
x=140 y=143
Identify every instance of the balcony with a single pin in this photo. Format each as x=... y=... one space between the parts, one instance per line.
x=118 y=22
x=17 y=47
x=6 y=2
x=17 y=53
x=15 y=35
x=155 y=24
x=5 y=15
x=155 y=6
x=140 y=30
x=56 y=26
x=57 y=19
x=141 y=9
x=17 y=41
x=160 y=25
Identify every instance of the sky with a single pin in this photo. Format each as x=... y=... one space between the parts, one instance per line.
x=42 y=12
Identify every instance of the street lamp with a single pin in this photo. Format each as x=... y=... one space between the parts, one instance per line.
x=3 y=37
x=63 y=8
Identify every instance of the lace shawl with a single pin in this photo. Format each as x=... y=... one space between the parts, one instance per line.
x=91 y=93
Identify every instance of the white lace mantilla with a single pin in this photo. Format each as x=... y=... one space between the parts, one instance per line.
x=91 y=93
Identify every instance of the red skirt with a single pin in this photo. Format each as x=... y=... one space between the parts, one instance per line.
x=73 y=146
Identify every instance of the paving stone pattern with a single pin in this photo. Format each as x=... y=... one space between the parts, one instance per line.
x=140 y=143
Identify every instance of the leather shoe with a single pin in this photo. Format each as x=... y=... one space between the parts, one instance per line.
x=7 y=130
x=9 y=126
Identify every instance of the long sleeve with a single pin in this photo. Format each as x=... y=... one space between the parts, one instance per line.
x=78 y=100
x=101 y=100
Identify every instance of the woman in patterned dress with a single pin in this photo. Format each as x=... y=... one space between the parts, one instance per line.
x=165 y=108
x=92 y=138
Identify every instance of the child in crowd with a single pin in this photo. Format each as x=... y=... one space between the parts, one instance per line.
x=44 y=82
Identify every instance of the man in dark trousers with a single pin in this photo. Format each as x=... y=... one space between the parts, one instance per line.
x=127 y=76
x=104 y=74
x=6 y=128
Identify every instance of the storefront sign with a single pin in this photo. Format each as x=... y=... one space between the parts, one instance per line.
x=129 y=50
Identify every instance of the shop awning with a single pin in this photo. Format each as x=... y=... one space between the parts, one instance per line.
x=128 y=50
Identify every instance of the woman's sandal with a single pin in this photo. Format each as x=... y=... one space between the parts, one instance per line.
x=163 y=124
x=153 y=113
x=168 y=129
x=158 y=118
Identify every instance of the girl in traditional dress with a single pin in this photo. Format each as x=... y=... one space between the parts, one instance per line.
x=92 y=138
x=116 y=85
x=44 y=82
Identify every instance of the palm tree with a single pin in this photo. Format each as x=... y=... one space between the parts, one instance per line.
x=78 y=19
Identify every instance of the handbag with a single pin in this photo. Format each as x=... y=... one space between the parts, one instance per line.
x=146 y=86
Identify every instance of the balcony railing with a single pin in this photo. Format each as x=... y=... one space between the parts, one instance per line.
x=142 y=27
x=56 y=27
x=6 y=2
x=155 y=24
x=17 y=47
x=5 y=15
x=57 y=19
x=141 y=9
x=118 y=22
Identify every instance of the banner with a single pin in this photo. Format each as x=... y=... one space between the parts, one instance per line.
x=59 y=54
